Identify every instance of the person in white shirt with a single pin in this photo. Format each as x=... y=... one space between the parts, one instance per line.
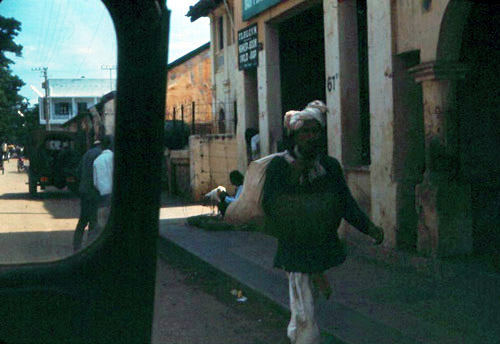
x=103 y=180
x=236 y=179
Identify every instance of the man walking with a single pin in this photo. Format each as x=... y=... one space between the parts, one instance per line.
x=103 y=181
x=89 y=196
x=305 y=197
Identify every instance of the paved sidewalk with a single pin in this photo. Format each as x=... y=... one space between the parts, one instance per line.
x=372 y=302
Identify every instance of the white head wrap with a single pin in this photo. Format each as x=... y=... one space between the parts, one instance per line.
x=294 y=120
x=318 y=104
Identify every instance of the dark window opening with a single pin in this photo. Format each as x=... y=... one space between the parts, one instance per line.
x=302 y=59
x=222 y=121
x=220 y=28
x=82 y=107
x=364 y=96
x=63 y=109
x=235 y=117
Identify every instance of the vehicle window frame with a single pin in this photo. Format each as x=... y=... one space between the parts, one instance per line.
x=105 y=292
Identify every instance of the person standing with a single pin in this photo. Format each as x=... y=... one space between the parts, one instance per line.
x=103 y=181
x=89 y=196
x=305 y=197
x=5 y=155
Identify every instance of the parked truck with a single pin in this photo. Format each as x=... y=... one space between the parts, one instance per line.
x=53 y=160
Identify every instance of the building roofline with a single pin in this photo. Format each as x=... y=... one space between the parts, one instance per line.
x=189 y=55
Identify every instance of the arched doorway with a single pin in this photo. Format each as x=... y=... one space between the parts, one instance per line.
x=478 y=117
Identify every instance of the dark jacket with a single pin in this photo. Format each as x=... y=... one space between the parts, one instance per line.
x=305 y=218
x=86 y=172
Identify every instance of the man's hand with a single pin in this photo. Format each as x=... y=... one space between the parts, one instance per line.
x=376 y=233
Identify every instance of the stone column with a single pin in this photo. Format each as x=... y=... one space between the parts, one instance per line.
x=269 y=94
x=442 y=199
x=381 y=53
x=332 y=70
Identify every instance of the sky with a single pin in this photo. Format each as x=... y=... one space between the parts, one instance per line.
x=75 y=38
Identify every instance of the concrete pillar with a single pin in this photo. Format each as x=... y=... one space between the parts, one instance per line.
x=442 y=199
x=269 y=92
x=74 y=108
x=383 y=187
x=248 y=109
x=242 y=125
x=333 y=71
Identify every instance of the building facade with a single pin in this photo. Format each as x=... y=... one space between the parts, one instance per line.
x=69 y=97
x=412 y=119
x=189 y=90
x=224 y=62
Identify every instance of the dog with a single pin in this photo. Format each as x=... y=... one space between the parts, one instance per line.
x=214 y=197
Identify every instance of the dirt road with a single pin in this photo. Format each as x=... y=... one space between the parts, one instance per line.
x=41 y=229
x=186 y=314
x=34 y=229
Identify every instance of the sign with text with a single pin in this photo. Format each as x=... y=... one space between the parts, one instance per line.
x=248 y=56
x=254 y=7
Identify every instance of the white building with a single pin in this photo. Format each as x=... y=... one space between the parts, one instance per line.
x=69 y=97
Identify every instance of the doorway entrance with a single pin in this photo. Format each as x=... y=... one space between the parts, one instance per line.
x=479 y=122
x=302 y=59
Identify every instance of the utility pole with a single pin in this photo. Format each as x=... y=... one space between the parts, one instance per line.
x=46 y=105
x=110 y=77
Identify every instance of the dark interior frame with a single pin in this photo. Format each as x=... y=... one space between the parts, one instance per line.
x=105 y=293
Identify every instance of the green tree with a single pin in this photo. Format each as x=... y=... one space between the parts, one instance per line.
x=10 y=84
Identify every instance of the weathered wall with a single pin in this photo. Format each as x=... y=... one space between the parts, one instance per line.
x=224 y=70
x=358 y=180
x=109 y=117
x=190 y=82
x=177 y=170
x=212 y=158
x=268 y=105
x=418 y=28
x=382 y=118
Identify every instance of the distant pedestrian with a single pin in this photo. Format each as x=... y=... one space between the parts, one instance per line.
x=103 y=180
x=305 y=197
x=89 y=196
x=252 y=139
x=5 y=155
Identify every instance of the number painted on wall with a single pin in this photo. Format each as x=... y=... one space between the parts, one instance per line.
x=331 y=81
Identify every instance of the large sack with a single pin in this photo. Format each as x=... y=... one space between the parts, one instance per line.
x=248 y=207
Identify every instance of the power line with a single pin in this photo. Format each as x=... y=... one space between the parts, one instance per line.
x=42 y=22
x=55 y=29
x=90 y=44
x=47 y=33
x=59 y=33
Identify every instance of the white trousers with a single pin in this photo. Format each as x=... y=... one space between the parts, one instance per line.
x=302 y=328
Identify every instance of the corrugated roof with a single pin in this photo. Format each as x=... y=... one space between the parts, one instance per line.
x=80 y=87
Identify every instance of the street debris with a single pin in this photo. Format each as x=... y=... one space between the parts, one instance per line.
x=239 y=295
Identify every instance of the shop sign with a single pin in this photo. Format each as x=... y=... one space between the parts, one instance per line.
x=254 y=7
x=248 y=56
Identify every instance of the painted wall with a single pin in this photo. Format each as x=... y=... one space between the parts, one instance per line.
x=403 y=35
x=211 y=158
x=418 y=26
x=109 y=117
x=224 y=68
x=187 y=83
